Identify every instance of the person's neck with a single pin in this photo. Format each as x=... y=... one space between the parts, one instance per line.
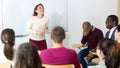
x=39 y=16
x=57 y=45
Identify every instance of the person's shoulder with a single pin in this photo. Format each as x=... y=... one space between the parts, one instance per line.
x=45 y=17
x=97 y=29
x=32 y=18
x=49 y=50
x=46 y=50
x=70 y=50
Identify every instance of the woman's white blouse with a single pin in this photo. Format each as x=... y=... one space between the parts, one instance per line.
x=37 y=24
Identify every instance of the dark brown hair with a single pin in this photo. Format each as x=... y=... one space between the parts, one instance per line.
x=8 y=38
x=86 y=23
x=28 y=57
x=110 y=51
x=34 y=12
x=58 y=34
x=118 y=28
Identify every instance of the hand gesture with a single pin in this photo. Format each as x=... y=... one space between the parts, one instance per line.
x=39 y=32
x=85 y=33
x=45 y=26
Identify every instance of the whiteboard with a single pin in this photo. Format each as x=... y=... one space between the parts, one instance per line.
x=17 y=12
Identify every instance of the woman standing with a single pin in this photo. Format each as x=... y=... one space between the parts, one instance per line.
x=37 y=26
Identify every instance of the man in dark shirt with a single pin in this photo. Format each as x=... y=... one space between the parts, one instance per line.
x=91 y=37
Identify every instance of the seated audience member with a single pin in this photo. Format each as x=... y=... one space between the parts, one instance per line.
x=27 y=57
x=117 y=35
x=91 y=37
x=58 y=54
x=111 y=23
x=108 y=53
x=8 y=39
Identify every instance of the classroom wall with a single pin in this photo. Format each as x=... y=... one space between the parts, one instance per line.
x=79 y=11
x=94 y=11
x=119 y=9
x=0 y=16
x=0 y=20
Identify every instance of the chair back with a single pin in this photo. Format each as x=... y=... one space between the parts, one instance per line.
x=5 y=65
x=59 y=66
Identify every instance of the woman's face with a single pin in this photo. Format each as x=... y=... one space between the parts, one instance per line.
x=86 y=27
x=117 y=35
x=40 y=10
x=100 y=53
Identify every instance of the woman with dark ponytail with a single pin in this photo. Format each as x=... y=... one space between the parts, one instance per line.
x=8 y=39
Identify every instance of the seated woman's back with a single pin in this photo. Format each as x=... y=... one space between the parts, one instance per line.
x=8 y=51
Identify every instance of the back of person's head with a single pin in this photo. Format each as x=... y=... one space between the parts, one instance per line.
x=27 y=57
x=114 y=18
x=58 y=34
x=8 y=38
x=110 y=51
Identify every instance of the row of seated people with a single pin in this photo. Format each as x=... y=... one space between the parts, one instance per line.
x=92 y=36
x=55 y=55
x=26 y=56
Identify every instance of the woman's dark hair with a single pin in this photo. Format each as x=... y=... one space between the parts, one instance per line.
x=118 y=28
x=34 y=12
x=8 y=38
x=110 y=51
x=28 y=57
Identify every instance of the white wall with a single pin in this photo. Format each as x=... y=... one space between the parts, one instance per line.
x=17 y=14
x=94 y=11
x=0 y=15
x=79 y=11
x=0 y=18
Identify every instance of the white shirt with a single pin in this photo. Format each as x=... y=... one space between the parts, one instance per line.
x=35 y=24
x=100 y=65
x=111 y=31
